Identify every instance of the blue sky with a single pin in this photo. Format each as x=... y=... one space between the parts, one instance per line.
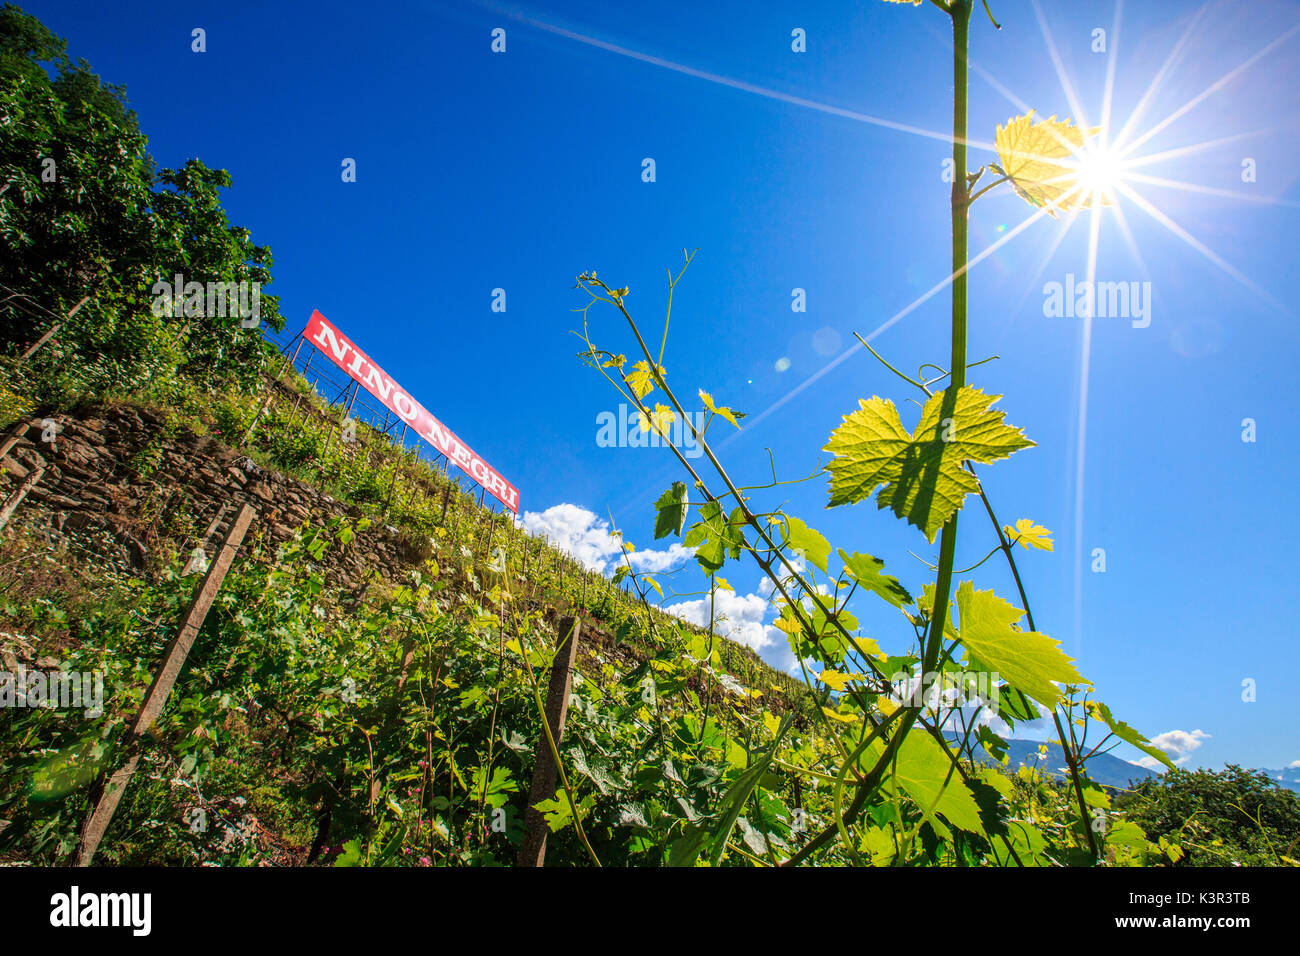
x=518 y=170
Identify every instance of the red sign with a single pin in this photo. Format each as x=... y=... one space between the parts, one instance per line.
x=341 y=350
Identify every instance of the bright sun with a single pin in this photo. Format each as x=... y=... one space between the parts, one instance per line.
x=1100 y=171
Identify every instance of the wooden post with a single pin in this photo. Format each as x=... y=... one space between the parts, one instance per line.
x=106 y=795
x=269 y=395
x=336 y=427
x=533 y=850
x=14 y=500
x=16 y=435
x=393 y=487
x=36 y=346
x=207 y=536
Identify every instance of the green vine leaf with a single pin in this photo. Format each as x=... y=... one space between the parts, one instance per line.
x=1128 y=734
x=1028 y=660
x=925 y=774
x=733 y=802
x=671 y=511
x=810 y=544
x=865 y=569
x=922 y=473
x=712 y=537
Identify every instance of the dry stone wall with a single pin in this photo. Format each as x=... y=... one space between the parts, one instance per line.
x=119 y=469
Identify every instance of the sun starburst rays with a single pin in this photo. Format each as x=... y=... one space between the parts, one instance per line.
x=1101 y=174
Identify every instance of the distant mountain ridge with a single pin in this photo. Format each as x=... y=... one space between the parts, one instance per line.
x=1289 y=777
x=1106 y=769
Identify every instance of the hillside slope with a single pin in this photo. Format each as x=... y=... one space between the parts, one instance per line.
x=367 y=576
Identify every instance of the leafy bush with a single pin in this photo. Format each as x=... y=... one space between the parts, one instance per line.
x=1217 y=818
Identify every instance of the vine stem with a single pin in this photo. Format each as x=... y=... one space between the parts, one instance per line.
x=960 y=11
x=1071 y=756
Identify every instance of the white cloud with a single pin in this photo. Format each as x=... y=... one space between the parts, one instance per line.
x=765 y=585
x=575 y=531
x=743 y=615
x=1179 y=744
x=585 y=537
x=660 y=560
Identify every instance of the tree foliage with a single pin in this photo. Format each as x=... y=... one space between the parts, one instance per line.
x=87 y=214
x=1219 y=818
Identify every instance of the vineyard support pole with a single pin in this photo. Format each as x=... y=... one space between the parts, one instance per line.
x=203 y=545
x=36 y=346
x=16 y=435
x=397 y=464
x=532 y=851
x=14 y=500
x=106 y=795
x=270 y=393
x=339 y=425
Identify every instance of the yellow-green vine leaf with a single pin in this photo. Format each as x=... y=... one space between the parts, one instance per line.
x=837 y=681
x=1029 y=535
x=659 y=419
x=840 y=718
x=1031 y=155
x=1127 y=734
x=641 y=381
x=558 y=812
x=925 y=774
x=922 y=474
x=787 y=622
x=727 y=413
x=1028 y=660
